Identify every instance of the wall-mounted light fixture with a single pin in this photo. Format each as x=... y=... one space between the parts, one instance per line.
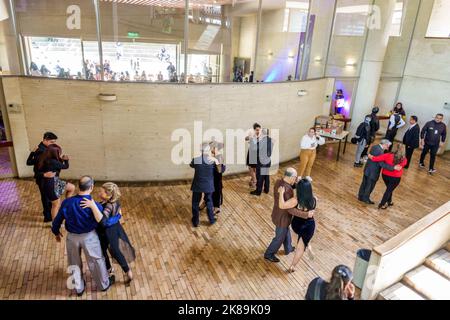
x=302 y=93
x=291 y=55
x=318 y=59
x=108 y=97
x=351 y=63
x=270 y=53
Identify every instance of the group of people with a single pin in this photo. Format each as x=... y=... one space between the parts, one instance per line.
x=391 y=159
x=92 y=227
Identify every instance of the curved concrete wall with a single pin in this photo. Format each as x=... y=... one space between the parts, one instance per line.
x=130 y=139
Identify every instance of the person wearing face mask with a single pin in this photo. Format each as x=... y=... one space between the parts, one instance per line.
x=282 y=218
x=340 y=286
x=363 y=139
x=308 y=146
x=433 y=136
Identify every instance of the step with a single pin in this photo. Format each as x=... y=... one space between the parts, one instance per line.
x=440 y=262
x=399 y=291
x=428 y=283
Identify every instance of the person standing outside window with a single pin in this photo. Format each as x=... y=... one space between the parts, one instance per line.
x=433 y=136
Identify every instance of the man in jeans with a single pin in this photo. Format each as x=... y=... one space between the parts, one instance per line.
x=82 y=236
x=282 y=218
x=433 y=137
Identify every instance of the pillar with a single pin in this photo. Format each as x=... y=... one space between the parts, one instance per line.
x=372 y=61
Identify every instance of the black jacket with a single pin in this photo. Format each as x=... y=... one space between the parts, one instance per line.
x=374 y=125
x=204 y=175
x=412 y=137
x=33 y=160
x=373 y=169
x=434 y=133
x=364 y=132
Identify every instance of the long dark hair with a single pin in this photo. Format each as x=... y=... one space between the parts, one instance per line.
x=305 y=195
x=340 y=277
x=399 y=154
x=53 y=151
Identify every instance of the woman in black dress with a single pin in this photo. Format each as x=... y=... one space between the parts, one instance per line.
x=304 y=228
x=216 y=148
x=111 y=233
x=50 y=165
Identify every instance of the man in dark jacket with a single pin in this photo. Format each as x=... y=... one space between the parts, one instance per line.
x=363 y=139
x=372 y=172
x=411 y=139
x=433 y=137
x=263 y=163
x=374 y=127
x=33 y=160
x=203 y=183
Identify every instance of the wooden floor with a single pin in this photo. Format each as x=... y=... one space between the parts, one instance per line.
x=5 y=163
x=224 y=261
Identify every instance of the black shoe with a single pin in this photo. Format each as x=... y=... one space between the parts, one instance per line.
x=358 y=165
x=266 y=192
x=272 y=259
x=390 y=204
x=47 y=220
x=369 y=202
x=255 y=193
x=112 y=279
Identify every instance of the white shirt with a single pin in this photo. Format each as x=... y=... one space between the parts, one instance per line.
x=392 y=122
x=309 y=143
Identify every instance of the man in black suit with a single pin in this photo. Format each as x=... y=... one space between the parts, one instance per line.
x=203 y=183
x=373 y=170
x=264 y=146
x=411 y=139
x=33 y=160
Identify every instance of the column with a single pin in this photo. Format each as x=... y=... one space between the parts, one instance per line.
x=379 y=25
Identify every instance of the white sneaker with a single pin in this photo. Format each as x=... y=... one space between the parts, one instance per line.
x=309 y=178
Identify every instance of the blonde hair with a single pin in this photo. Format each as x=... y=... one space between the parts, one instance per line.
x=112 y=190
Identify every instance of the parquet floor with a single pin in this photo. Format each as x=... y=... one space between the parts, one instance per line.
x=224 y=261
x=5 y=163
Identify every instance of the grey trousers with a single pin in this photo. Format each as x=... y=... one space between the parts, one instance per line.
x=360 y=149
x=90 y=244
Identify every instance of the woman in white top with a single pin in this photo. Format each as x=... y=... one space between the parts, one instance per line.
x=308 y=146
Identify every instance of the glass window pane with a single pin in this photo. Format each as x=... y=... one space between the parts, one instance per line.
x=348 y=38
x=282 y=40
x=398 y=18
x=143 y=40
x=321 y=21
x=439 y=25
x=52 y=33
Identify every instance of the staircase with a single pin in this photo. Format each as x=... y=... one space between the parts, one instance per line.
x=430 y=281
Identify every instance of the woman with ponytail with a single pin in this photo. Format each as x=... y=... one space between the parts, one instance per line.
x=340 y=286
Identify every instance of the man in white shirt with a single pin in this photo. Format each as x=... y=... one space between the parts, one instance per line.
x=395 y=122
x=308 y=146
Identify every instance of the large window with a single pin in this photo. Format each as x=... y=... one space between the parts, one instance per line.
x=398 y=18
x=439 y=25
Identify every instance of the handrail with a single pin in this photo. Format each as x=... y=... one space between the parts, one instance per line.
x=164 y=82
x=412 y=231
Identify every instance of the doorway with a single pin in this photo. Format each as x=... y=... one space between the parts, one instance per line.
x=6 y=166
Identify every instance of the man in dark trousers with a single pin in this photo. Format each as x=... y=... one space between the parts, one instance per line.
x=433 y=137
x=373 y=170
x=282 y=218
x=33 y=160
x=411 y=139
x=203 y=183
x=264 y=146
x=374 y=127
